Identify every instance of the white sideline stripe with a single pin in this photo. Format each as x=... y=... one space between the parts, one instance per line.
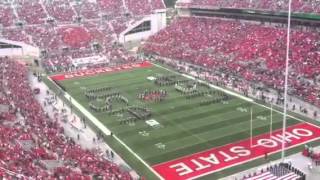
x=242 y=162
x=219 y=88
x=235 y=94
x=288 y=115
x=249 y=100
x=138 y=157
x=216 y=87
x=93 y=119
x=211 y=85
x=106 y=131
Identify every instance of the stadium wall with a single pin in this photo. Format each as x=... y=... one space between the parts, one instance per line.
x=298 y=19
x=20 y=49
x=158 y=22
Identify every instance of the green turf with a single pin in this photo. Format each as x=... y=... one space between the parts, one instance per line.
x=187 y=127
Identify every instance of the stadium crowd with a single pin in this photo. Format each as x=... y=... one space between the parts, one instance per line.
x=250 y=52
x=309 y=6
x=63 y=29
x=34 y=146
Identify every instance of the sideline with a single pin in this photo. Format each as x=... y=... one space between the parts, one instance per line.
x=106 y=131
x=211 y=85
x=93 y=119
x=233 y=94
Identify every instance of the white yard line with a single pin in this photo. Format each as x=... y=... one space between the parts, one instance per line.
x=246 y=99
x=106 y=131
x=138 y=157
x=93 y=119
x=211 y=85
x=242 y=162
x=231 y=93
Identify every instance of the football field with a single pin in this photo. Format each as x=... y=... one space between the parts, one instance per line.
x=165 y=117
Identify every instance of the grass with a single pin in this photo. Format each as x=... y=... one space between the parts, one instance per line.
x=187 y=128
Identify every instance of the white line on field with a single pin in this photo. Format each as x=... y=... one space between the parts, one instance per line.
x=246 y=99
x=211 y=85
x=138 y=157
x=106 y=131
x=242 y=162
x=233 y=94
x=93 y=119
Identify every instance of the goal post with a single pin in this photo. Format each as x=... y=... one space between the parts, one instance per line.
x=269 y=123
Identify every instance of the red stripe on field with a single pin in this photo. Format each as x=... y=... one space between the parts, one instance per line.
x=96 y=71
x=219 y=158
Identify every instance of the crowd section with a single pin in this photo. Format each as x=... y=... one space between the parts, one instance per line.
x=302 y=6
x=68 y=29
x=282 y=171
x=139 y=7
x=16 y=34
x=34 y=146
x=254 y=53
x=6 y=16
x=111 y=7
x=87 y=10
x=32 y=12
x=60 y=10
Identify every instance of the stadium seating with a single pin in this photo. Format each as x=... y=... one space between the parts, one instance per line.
x=139 y=7
x=111 y=7
x=252 y=52
x=60 y=10
x=32 y=12
x=27 y=145
x=16 y=34
x=87 y=10
x=6 y=16
x=310 y=6
x=66 y=29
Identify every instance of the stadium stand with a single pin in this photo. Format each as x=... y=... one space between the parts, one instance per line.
x=298 y=6
x=87 y=10
x=32 y=12
x=68 y=29
x=248 y=51
x=6 y=16
x=34 y=146
x=60 y=10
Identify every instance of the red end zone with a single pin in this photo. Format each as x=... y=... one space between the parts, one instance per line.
x=96 y=71
x=207 y=162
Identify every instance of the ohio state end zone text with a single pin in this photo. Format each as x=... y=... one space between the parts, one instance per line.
x=219 y=158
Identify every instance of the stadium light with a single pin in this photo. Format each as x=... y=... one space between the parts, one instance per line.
x=286 y=84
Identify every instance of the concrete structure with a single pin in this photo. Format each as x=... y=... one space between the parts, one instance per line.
x=14 y=48
x=142 y=29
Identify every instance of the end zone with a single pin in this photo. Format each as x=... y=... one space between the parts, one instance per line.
x=216 y=159
x=96 y=71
